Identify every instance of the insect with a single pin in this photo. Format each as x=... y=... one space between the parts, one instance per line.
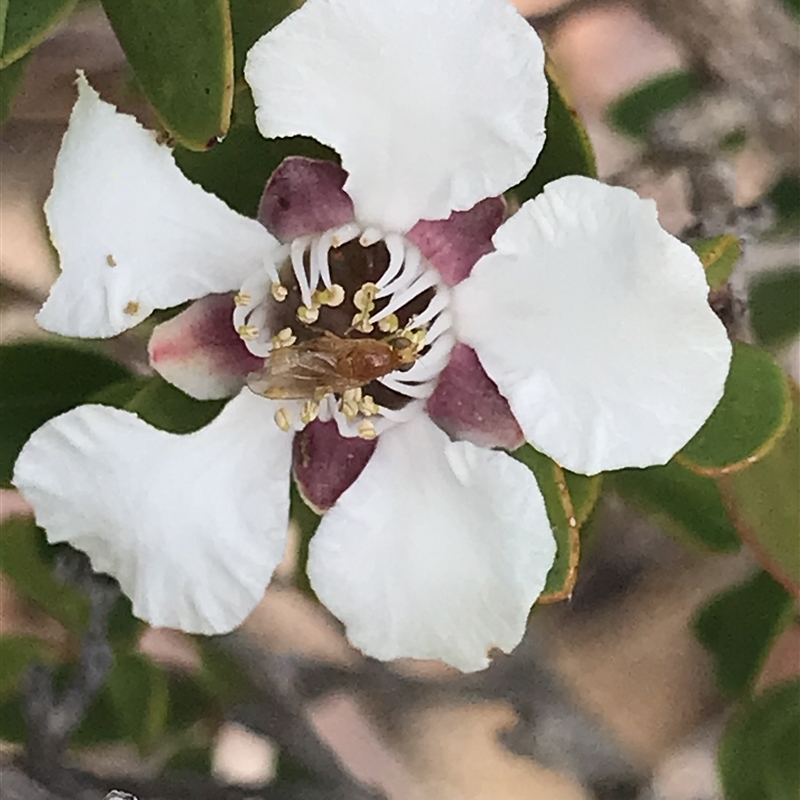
x=329 y=364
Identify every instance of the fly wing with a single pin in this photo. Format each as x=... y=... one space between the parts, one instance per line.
x=298 y=373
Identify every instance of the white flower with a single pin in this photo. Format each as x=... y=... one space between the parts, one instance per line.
x=578 y=325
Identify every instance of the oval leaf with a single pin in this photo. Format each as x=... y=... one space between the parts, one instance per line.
x=10 y=80
x=163 y=406
x=634 y=112
x=738 y=628
x=774 y=301
x=563 y=520
x=718 y=256
x=751 y=417
x=181 y=52
x=688 y=506
x=567 y=149
x=765 y=505
x=26 y=23
x=40 y=381
x=251 y=20
x=758 y=756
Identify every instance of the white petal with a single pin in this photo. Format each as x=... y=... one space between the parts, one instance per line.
x=595 y=325
x=191 y=526
x=134 y=234
x=438 y=550
x=432 y=106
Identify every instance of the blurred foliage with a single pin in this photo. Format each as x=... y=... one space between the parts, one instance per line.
x=774 y=299
x=687 y=505
x=785 y=197
x=738 y=628
x=10 y=80
x=634 y=113
x=759 y=757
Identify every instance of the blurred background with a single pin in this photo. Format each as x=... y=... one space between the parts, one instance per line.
x=611 y=695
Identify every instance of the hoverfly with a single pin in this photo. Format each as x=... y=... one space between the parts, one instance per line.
x=329 y=364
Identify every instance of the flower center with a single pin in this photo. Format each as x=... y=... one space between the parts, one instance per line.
x=354 y=327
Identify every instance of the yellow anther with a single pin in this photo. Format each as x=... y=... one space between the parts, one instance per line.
x=366 y=430
x=330 y=297
x=248 y=332
x=111 y=261
x=361 y=323
x=368 y=406
x=279 y=291
x=283 y=419
x=417 y=337
x=283 y=338
x=308 y=315
x=389 y=324
x=309 y=412
x=242 y=299
x=351 y=402
x=131 y=309
x=364 y=297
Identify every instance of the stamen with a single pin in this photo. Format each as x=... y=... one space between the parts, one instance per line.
x=248 y=332
x=283 y=419
x=351 y=400
x=307 y=315
x=368 y=406
x=364 y=298
x=242 y=299
x=431 y=364
x=299 y=246
x=438 y=304
x=420 y=390
x=279 y=291
x=441 y=325
x=345 y=234
x=370 y=237
x=389 y=324
x=309 y=412
x=333 y=296
x=366 y=430
x=283 y=338
x=397 y=250
x=131 y=308
x=426 y=281
x=411 y=267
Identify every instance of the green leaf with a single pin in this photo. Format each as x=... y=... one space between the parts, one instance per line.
x=190 y=700
x=718 y=256
x=688 y=506
x=752 y=415
x=181 y=52
x=26 y=23
x=567 y=149
x=16 y=654
x=785 y=197
x=764 y=504
x=21 y=560
x=137 y=689
x=759 y=757
x=307 y=522
x=585 y=492
x=195 y=758
x=163 y=406
x=238 y=169
x=563 y=520
x=41 y=381
x=10 y=79
x=251 y=19
x=13 y=728
x=774 y=300
x=634 y=112
x=738 y=628
x=221 y=675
